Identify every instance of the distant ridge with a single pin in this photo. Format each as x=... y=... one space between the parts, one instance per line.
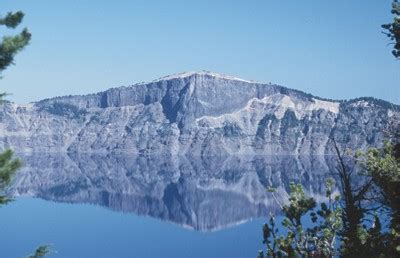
x=185 y=75
x=195 y=113
x=201 y=73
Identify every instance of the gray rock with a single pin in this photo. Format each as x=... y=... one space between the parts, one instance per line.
x=194 y=114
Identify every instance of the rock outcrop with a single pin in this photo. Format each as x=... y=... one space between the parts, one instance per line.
x=194 y=114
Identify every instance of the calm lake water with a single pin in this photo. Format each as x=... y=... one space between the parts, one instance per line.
x=136 y=206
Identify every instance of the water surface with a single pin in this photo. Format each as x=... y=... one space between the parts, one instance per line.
x=139 y=206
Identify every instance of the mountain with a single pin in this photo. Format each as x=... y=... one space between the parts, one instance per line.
x=202 y=193
x=197 y=114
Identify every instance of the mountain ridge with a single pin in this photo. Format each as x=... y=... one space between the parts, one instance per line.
x=196 y=113
x=215 y=74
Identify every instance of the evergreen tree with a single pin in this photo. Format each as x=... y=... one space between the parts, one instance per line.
x=318 y=240
x=8 y=167
x=41 y=251
x=9 y=47
x=392 y=30
x=383 y=166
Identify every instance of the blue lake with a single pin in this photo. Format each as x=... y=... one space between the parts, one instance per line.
x=132 y=206
x=92 y=231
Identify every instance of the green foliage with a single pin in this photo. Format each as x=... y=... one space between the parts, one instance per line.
x=392 y=30
x=353 y=206
x=299 y=204
x=318 y=240
x=8 y=167
x=11 y=45
x=338 y=225
x=383 y=166
x=12 y=20
x=41 y=251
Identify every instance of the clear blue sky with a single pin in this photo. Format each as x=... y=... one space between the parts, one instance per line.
x=332 y=49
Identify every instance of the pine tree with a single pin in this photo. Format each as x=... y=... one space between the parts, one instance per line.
x=8 y=167
x=9 y=47
x=392 y=30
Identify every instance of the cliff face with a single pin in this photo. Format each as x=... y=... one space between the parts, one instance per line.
x=194 y=114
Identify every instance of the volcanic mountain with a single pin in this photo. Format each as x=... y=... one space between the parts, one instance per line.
x=195 y=113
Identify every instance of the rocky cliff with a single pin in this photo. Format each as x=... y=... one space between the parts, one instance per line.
x=194 y=114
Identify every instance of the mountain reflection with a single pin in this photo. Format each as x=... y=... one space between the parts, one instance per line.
x=205 y=193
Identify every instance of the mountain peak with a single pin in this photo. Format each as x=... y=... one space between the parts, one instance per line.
x=195 y=114
x=201 y=73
